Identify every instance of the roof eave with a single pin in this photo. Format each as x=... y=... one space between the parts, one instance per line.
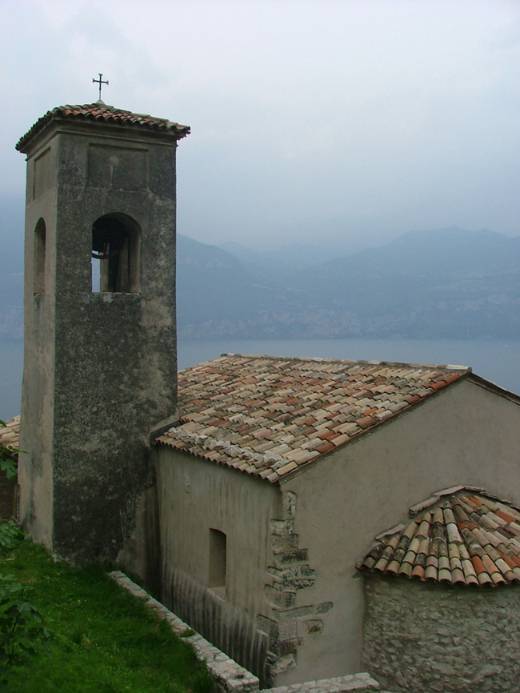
x=171 y=131
x=288 y=476
x=162 y=442
x=493 y=387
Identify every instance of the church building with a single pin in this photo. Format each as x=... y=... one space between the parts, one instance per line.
x=310 y=517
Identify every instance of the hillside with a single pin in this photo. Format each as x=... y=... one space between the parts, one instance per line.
x=217 y=295
x=449 y=283
x=88 y=647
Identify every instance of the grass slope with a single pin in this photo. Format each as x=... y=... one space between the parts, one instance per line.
x=102 y=639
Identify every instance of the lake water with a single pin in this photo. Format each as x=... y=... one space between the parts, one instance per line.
x=495 y=360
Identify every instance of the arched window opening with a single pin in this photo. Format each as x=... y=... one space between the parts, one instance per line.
x=39 y=258
x=115 y=254
x=217 y=562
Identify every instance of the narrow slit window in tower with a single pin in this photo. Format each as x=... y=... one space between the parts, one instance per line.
x=39 y=258
x=115 y=254
x=217 y=561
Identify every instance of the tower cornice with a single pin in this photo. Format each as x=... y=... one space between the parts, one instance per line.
x=98 y=113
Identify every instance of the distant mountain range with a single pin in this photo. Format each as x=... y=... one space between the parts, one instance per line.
x=448 y=283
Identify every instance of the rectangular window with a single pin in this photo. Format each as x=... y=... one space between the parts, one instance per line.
x=217 y=562
x=39 y=258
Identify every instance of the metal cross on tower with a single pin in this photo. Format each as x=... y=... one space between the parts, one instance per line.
x=100 y=81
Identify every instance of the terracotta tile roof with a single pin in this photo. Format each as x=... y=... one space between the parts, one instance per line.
x=458 y=536
x=101 y=112
x=10 y=434
x=270 y=416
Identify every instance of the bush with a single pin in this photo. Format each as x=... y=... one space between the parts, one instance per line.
x=21 y=624
x=10 y=536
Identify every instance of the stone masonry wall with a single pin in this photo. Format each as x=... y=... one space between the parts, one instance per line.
x=289 y=574
x=430 y=637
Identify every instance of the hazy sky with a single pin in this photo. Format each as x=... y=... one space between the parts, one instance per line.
x=310 y=120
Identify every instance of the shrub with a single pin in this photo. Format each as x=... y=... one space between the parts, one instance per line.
x=10 y=536
x=21 y=624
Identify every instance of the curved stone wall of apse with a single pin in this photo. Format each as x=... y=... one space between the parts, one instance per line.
x=441 y=638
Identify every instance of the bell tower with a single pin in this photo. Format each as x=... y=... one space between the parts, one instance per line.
x=100 y=338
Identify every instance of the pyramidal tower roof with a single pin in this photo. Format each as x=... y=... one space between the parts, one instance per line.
x=103 y=113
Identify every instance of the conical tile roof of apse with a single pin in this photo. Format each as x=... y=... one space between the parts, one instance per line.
x=103 y=113
x=458 y=536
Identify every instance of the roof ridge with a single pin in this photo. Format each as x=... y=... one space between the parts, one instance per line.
x=437 y=496
x=369 y=362
x=108 y=107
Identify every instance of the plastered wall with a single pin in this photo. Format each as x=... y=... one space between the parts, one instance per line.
x=466 y=435
x=195 y=496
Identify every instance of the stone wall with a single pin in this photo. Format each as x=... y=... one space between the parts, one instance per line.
x=338 y=684
x=229 y=676
x=431 y=637
x=99 y=366
x=294 y=618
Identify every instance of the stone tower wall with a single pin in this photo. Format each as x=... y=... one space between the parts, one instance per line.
x=100 y=368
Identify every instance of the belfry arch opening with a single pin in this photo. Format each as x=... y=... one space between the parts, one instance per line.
x=115 y=254
x=39 y=243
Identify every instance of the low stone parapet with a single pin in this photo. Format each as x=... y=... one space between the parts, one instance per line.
x=228 y=674
x=349 y=682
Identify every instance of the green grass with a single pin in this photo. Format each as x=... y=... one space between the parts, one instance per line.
x=102 y=639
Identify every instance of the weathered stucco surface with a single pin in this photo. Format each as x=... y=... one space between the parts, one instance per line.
x=436 y=638
x=100 y=368
x=466 y=435
x=196 y=496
